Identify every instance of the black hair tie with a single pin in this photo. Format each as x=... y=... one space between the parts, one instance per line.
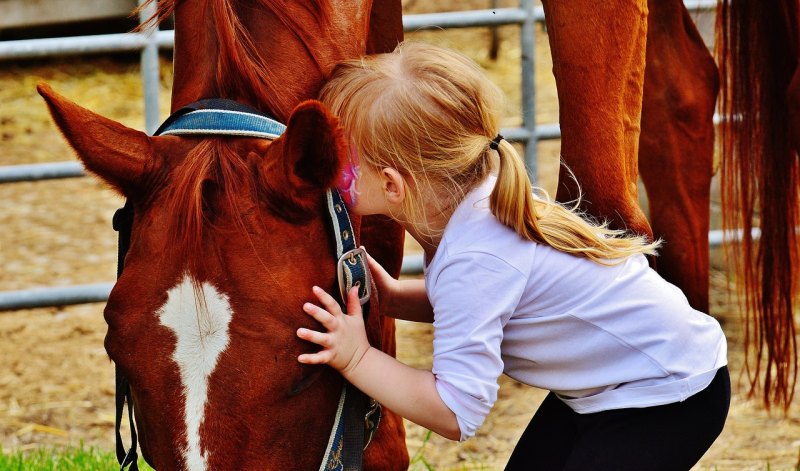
x=495 y=143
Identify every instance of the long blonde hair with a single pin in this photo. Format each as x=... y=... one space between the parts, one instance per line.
x=432 y=113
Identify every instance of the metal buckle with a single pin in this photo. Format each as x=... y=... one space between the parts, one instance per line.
x=349 y=258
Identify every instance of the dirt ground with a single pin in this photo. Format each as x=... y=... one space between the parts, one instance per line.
x=56 y=383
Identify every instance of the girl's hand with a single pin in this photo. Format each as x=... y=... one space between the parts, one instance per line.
x=345 y=343
x=387 y=285
x=401 y=299
x=405 y=390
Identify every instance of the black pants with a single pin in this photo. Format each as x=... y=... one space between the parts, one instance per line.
x=672 y=437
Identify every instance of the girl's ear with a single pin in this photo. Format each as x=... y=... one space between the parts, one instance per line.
x=394 y=186
x=117 y=154
x=312 y=152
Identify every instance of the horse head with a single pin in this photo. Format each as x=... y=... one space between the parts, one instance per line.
x=229 y=235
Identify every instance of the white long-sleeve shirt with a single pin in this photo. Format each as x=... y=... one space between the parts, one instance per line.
x=600 y=337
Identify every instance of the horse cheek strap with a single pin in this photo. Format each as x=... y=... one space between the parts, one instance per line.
x=123 y=223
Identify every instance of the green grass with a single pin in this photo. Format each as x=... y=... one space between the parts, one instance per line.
x=419 y=462
x=62 y=459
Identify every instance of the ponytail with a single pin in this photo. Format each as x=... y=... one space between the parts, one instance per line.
x=544 y=221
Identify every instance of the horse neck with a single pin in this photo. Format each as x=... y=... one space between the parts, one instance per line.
x=272 y=57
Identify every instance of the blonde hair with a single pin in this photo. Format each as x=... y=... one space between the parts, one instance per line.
x=431 y=113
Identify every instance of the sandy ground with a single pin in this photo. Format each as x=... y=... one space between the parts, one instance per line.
x=56 y=383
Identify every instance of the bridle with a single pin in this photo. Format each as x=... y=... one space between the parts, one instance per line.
x=357 y=416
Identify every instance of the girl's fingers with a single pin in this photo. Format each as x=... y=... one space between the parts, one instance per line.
x=320 y=315
x=315 y=358
x=353 y=302
x=373 y=264
x=327 y=300
x=381 y=276
x=313 y=336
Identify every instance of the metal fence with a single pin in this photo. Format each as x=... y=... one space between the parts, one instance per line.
x=150 y=41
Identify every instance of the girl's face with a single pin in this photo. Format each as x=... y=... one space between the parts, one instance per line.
x=360 y=186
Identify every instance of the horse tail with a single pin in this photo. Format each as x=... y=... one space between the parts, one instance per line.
x=757 y=52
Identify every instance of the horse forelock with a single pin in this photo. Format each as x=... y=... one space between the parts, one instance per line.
x=222 y=190
x=213 y=180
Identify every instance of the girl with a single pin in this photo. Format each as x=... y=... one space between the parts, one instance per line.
x=514 y=283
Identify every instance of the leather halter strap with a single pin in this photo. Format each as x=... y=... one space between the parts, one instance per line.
x=357 y=416
x=122 y=223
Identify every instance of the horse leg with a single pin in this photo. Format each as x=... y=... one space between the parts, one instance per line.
x=676 y=148
x=598 y=53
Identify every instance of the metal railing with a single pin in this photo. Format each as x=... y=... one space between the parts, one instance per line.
x=150 y=41
x=153 y=39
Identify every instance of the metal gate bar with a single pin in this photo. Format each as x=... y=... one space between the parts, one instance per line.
x=149 y=41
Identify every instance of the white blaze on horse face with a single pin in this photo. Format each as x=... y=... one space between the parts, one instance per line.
x=201 y=328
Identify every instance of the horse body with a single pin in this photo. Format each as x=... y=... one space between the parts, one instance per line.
x=202 y=320
x=624 y=63
x=228 y=238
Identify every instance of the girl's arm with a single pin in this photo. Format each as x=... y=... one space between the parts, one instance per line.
x=405 y=390
x=402 y=299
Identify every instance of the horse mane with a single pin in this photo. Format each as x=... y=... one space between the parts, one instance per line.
x=757 y=55
x=242 y=70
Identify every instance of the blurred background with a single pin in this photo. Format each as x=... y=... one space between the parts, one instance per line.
x=56 y=382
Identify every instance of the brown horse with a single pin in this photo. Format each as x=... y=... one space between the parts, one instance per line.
x=229 y=237
x=637 y=89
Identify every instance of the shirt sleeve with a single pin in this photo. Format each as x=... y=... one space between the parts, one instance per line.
x=473 y=296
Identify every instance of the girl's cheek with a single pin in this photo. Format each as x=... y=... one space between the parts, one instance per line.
x=348 y=179
x=347 y=185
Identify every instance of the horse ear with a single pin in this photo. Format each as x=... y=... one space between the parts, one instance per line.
x=311 y=153
x=315 y=147
x=116 y=153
